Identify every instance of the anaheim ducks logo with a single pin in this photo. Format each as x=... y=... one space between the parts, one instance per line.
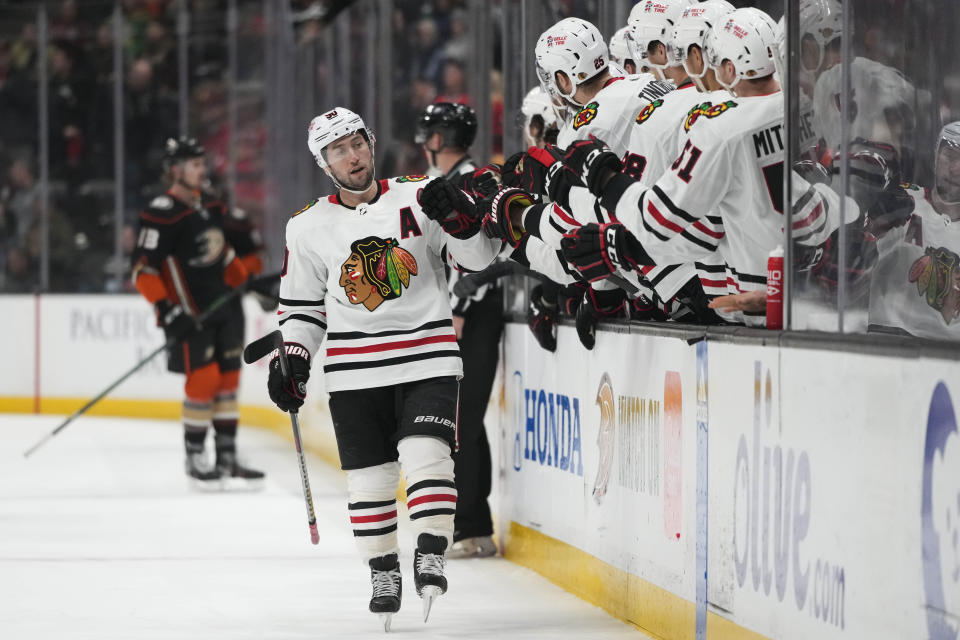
x=647 y=111
x=377 y=270
x=586 y=115
x=414 y=178
x=605 y=437
x=707 y=110
x=937 y=275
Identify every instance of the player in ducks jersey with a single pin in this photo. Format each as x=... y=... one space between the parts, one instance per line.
x=190 y=251
x=364 y=269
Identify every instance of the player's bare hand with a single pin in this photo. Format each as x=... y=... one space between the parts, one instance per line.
x=750 y=301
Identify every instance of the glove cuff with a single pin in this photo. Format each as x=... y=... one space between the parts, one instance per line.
x=613 y=191
x=294 y=350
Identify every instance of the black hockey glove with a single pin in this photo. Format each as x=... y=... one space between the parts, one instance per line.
x=599 y=251
x=644 y=309
x=496 y=219
x=288 y=393
x=177 y=324
x=542 y=319
x=875 y=184
x=592 y=161
x=456 y=212
x=569 y=298
x=484 y=182
x=596 y=307
x=547 y=163
x=510 y=174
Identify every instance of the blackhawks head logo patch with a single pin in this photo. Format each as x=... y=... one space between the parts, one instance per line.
x=647 y=111
x=586 y=115
x=377 y=270
x=937 y=275
x=413 y=178
x=707 y=110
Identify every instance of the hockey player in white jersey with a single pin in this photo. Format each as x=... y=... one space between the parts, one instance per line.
x=731 y=163
x=689 y=41
x=915 y=287
x=620 y=53
x=364 y=269
x=572 y=63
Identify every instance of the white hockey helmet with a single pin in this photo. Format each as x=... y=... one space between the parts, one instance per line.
x=947 y=165
x=653 y=21
x=747 y=38
x=620 y=47
x=538 y=104
x=821 y=20
x=331 y=126
x=692 y=27
x=576 y=48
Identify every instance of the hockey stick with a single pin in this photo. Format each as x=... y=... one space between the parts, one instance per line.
x=213 y=308
x=253 y=352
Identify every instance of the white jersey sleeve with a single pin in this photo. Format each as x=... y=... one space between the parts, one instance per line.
x=303 y=289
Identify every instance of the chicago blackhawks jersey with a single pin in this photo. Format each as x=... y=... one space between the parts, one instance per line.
x=723 y=193
x=915 y=286
x=611 y=113
x=371 y=279
x=189 y=245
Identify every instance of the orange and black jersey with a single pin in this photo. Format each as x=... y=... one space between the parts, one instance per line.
x=192 y=253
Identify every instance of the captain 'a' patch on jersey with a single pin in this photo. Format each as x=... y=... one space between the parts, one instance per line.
x=377 y=270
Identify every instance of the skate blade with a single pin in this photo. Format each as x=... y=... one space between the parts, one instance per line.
x=386 y=618
x=429 y=594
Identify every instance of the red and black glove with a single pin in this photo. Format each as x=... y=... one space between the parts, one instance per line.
x=496 y=219
x=569 y=298
x=596 y=307
x=557 y=177
x=453 y=209
x=598 y=251
x=288 y=393
x=592 y=161
x=483 y=182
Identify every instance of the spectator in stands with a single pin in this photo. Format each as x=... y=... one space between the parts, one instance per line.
x=151 y=118
x=454 y=83
x=69 y=115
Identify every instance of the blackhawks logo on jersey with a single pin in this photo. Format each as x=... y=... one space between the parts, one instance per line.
x=586 y=115
x=414 y=178
x=937 y=275
x=707 y=110
x=647 y=111
x=377 y=270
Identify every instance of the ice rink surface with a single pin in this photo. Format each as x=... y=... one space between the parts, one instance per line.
x=101 y=537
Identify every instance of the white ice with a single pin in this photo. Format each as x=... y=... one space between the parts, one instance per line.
x=101 y=537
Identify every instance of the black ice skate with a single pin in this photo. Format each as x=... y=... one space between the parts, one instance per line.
x=428 y=569
x=236 y=477
x=387 y=587
x=199 y=473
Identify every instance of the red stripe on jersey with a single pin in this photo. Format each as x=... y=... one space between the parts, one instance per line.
x=699 y=226
x=646 y=269
x=734 y=283
x=437 y=497
x=380 y=517
x=389 y=346
x=806 y=222
x=713 y=283
x=663 y=221
x=384 y=187
x=557 y=209
x=332 y=199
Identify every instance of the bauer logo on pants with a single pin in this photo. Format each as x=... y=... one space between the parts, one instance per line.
x=377 y=269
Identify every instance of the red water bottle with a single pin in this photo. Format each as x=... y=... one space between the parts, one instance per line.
x=775 y=289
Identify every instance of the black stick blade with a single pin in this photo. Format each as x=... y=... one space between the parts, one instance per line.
x=262 y=346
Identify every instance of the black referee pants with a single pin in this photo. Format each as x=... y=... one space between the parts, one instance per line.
x=480 y=350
